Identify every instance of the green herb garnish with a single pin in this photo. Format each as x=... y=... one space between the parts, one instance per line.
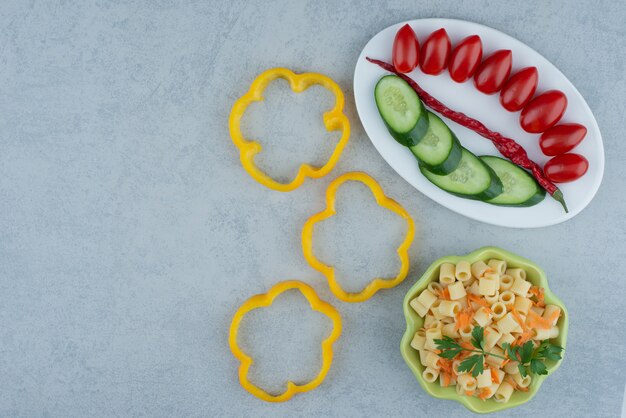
x=530 y=358
x=526 y=356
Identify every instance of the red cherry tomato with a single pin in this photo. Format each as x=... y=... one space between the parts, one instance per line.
x=566 y=167
x=543 y=112
x=493 y=71
x=562 y=138
x=519 y=89
x=435 y=52
x=465 y=58
x=406 y=50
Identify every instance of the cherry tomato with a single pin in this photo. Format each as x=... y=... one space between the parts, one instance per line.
x=519 y=89
x=465 y=58
x=493 y=71
x=566 y=167
x=543 y=112
x=435 y=52
x=562 y=138
x=406 y=50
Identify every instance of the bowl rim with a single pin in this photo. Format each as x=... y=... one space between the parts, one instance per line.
x=483 y=253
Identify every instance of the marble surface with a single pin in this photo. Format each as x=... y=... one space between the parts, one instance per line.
x=130 y=232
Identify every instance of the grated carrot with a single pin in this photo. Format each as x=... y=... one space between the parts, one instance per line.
x=524 y=337
x=463 y=354
x=518 y=319
x=446 y=380
x=484 y=394
x=445 y=365
x=494 y=376
x=478 y=300
x=469 y=392
x=444 y=293
x=526 y=334
x=537 y=321
x=538 y=292
x=464 y=318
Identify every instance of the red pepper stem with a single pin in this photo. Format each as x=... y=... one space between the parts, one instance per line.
x=558 y=196
x=507 y=146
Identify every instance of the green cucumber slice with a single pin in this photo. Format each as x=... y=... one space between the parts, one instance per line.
x=472 y=179
x=402 y=110
x=519 y=187
x=439 y=150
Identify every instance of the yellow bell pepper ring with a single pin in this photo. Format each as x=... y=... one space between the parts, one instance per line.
x=329 y=271
x=265 y=300
x=334 y=119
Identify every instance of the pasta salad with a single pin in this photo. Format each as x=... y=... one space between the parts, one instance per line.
x=486 y=329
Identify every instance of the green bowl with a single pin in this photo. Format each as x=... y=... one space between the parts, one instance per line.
x=534 y=274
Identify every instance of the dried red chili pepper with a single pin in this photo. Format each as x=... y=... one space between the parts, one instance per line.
x=507 y=146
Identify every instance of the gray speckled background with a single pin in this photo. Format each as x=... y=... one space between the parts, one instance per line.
x=130 y=232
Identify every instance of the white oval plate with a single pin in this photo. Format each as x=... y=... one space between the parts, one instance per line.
x=465 y=98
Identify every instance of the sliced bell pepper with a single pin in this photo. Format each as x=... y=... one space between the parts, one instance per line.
x=334 y=119
x=329 y=271
x=265 y=300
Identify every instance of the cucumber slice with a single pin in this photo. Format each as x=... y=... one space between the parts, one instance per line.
x=472 y=179
x=439 y=149
x=519 y=187
x=402 y=110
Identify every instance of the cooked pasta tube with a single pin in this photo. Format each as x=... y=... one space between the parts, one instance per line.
x=444 y=384
x=505 y=339
x=522 y=382
x=467 y=382
x=499 y=266
x=432 y=361
x=434 y=309
x=506 y=282
x=423 y=354
x=449 y=308
x=430 y=321
x=463 y=271
x=430 y=374
x=427 y=298
x=491 y=299
x=539 y=311
x=491 y=337
x=420 y=309
x=488 y=284
x=466 y=333
x=479 y=268
x=507 y=323
x=482 y=317
x=511 y=368
x=431 y=335
x=520 y=287
x=504 y=392
x=455 y=367
x=499 y=310
x=546 y=334
x=419 y=339
x=446 y=274
x=550 y=314
x=450 y=330
x=483 y=380
x=507 y=297
x=522 y=304
x=457 y=291
x=493 y=360
x=516 y=273
x=459 y=389
x=434 y=288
